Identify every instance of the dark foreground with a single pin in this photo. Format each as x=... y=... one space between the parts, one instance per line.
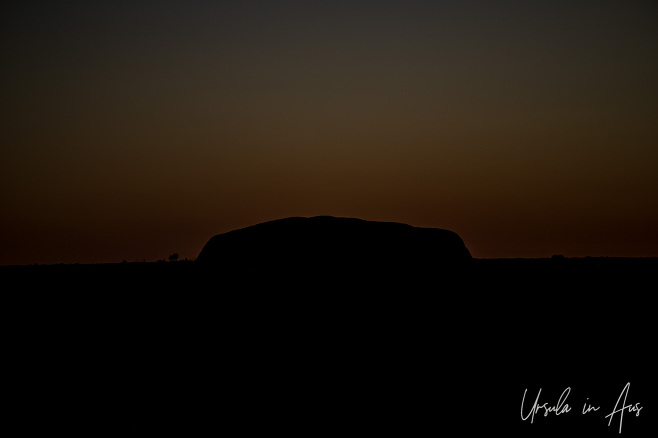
x=174 y=347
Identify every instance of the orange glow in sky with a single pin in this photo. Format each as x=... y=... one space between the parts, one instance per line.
x=133 y=132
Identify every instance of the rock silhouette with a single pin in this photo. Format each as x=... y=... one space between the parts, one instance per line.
x=326 y=242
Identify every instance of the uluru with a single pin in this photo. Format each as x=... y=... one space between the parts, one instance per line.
x=332 y=243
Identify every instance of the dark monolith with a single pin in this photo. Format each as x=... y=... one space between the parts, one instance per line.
x=330 y=243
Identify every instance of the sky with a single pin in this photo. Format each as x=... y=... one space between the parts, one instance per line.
x=132 y=130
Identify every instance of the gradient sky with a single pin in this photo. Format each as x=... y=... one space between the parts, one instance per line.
x=131 y=130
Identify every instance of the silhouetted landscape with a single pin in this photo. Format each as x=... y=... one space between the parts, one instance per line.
x=394 y=343
x=510 y=148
